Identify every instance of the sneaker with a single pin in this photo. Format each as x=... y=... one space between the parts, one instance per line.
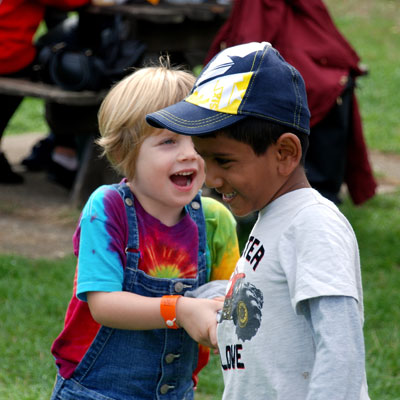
x=61 y=175
x=40 y=157
x=7 y=175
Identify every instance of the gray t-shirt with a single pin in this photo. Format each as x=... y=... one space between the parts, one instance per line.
x=300 y=248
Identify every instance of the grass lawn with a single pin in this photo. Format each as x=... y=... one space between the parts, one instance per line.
x=34 y=294
x=373 y=29
x=28 y=118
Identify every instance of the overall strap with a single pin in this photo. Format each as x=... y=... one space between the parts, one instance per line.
x=133 y=231
x=195 y=210
x=132 y=246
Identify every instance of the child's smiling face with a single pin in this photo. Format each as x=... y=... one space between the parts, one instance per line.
x=247 y=182
x=169 y=173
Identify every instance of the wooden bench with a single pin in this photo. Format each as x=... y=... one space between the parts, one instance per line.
x=166 y=12
x=24 y=87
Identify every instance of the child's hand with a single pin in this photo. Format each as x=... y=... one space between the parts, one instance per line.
x=199 y=319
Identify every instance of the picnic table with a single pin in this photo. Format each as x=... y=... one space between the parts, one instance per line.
x=187 y=30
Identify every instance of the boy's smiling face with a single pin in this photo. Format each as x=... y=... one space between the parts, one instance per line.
x=246 y=181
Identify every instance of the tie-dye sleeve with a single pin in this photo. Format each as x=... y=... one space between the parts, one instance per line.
x=222 y=239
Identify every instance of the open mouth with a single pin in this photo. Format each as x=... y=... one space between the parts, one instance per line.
x=227 y=197
x=183 y=179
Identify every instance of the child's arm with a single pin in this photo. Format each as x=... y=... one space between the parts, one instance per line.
x=339 y=363
x=125 y=310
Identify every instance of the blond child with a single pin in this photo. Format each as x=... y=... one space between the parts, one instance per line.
x=141 y=245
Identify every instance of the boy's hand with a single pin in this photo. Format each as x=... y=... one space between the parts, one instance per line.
x=199 y=319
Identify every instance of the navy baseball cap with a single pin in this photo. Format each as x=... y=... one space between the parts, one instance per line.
x=248 y=80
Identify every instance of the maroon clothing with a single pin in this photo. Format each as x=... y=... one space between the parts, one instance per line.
x=305 y=35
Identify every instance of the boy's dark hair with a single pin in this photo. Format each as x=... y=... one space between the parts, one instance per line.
x=261 y=133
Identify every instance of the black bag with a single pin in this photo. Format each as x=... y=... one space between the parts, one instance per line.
x=86 y=53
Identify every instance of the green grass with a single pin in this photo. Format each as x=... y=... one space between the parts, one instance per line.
x=34 y=296
x=33 y=300
x=377 y=225
x=373 y=29
x=28 y=118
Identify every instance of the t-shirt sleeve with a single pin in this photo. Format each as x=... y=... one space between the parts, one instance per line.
x=102 y=237
x=222 y=239
x=319 y=255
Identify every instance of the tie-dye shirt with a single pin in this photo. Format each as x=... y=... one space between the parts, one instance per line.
x=167 y=252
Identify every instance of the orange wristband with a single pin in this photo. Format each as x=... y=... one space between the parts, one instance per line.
x=168 y=310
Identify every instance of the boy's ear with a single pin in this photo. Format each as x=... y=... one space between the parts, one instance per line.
x=288 y=151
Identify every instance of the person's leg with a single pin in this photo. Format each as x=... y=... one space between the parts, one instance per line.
x=40 y=157
x=8 y=105
x=70 y=125
x=327 y=153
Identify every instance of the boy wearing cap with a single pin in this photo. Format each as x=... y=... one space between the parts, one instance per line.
x=291 y=326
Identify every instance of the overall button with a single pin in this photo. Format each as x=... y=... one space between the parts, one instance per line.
x=128 y=202
x=178 y=287
x=169 y=358
x=165 y=388
x=195 y=205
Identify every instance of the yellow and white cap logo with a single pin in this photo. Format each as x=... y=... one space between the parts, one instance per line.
x=220 y=91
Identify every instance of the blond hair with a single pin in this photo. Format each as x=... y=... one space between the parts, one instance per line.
x=121 y=116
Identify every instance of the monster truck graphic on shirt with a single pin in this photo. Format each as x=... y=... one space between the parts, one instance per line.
x=243 y=304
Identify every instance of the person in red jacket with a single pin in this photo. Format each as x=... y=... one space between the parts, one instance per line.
x=305 y=35
x=19 y=20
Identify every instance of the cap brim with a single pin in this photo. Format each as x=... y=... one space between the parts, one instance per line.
x=189 y=119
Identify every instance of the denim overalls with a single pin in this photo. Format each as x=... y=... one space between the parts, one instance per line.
x=153 y=364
